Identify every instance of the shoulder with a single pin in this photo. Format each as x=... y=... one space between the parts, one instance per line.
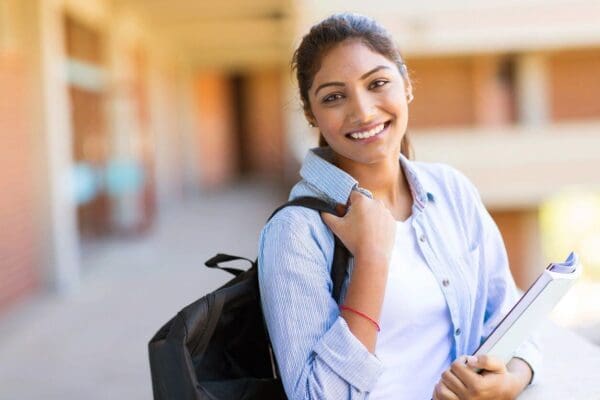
x=298 y=228
x=300 y=220
x=295 y=242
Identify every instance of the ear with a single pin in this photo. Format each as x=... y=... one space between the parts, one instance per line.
x=409 y=92
x=312 y=121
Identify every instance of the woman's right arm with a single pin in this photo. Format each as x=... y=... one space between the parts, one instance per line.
x=367 y=230
x=320 y=353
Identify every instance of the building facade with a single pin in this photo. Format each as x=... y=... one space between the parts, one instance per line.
x=112 y=111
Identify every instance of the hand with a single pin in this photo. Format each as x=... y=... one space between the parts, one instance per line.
x=367 y=230
x=461 y=382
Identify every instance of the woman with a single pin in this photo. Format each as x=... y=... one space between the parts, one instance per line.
x=429 y=277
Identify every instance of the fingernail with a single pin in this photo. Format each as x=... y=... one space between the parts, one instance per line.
x=471 y=360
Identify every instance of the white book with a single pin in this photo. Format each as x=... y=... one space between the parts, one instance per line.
x=531 y=309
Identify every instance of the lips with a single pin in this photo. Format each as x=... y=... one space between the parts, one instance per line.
x=368 y=132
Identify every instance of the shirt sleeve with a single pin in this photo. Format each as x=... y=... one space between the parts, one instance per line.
x=317 y=354
x=502 y=291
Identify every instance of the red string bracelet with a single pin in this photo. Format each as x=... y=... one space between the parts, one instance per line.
x=365 y=316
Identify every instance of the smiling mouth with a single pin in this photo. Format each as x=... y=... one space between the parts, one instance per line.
x=370 y=133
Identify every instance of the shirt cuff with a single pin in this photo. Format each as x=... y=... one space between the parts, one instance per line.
x=530 y=353
x=348 y=357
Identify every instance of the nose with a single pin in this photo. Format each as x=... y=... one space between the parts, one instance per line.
x=362 y=110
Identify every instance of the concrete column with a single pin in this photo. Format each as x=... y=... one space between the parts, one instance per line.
x=532 y=90
x=186 y=123
x=124 y=126
x=56 y=150
x=169 y=151
x=300 y=137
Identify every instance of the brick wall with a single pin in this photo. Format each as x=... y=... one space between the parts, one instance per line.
x=520 y=231
x=263 y=123
x=575 y=85
x=18 y=275
x=444 y=92
x=463 y=91
x=216 y=129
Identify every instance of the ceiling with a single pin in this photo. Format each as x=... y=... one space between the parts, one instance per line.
x=224 y=33
x=253 y=34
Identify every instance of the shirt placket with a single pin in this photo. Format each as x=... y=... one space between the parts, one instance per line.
x=444 y=279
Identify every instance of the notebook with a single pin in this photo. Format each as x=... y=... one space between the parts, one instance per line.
x=531 y=309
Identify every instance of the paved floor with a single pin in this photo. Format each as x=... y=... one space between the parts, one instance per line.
x=92 y=345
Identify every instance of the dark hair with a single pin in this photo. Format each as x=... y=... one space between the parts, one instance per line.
x=332 y=31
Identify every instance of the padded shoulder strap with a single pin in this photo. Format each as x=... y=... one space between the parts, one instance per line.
x=340 y=254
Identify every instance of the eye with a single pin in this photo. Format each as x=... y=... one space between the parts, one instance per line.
x=332 y=97
x=378 y=83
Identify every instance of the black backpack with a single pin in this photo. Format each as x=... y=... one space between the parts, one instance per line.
x=218 y=346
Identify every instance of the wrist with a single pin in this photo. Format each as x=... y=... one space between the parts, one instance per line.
x=520 y=372
x=372 y=258
x=517 y=383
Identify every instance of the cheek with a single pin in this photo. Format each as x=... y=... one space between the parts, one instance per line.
x=330 y=121
x=397 y=97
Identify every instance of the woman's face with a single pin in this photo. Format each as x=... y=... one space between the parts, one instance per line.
x=358 y=101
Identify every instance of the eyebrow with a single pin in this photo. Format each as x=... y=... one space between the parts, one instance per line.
x=364 y=76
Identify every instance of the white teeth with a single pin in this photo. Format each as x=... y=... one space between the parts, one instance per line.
x=369 y=133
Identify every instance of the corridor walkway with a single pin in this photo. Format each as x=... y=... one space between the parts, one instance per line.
x=92 y=345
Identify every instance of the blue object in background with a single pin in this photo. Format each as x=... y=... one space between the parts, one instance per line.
x=86 y=183
x=123 y=177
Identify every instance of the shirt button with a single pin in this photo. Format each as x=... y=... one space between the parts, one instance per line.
x=446 y=282
x=422 y=238
x=457 y=332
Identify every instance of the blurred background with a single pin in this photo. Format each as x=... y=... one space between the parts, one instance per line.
x=140 y=137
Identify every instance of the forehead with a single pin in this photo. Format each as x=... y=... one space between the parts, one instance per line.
x=349 y=60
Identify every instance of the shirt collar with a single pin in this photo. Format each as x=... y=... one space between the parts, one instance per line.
x=420 y=195
x=319 y=171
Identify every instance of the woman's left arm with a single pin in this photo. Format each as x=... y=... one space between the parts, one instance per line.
x=497 y=381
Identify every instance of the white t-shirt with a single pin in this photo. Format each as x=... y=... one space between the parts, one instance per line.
x=416 y=334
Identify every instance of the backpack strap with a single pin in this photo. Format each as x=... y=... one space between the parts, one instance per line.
x=220 y=258
x=340 y=253
x=313 y=203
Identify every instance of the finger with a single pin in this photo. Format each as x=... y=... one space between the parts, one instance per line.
x=331 y=220
x=467 y=376
x=488 y=363
x=453 y=383
x=356 y=195
x=435 y=396
x=442 y=392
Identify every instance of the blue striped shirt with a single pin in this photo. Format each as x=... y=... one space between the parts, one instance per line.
x=317 y=354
